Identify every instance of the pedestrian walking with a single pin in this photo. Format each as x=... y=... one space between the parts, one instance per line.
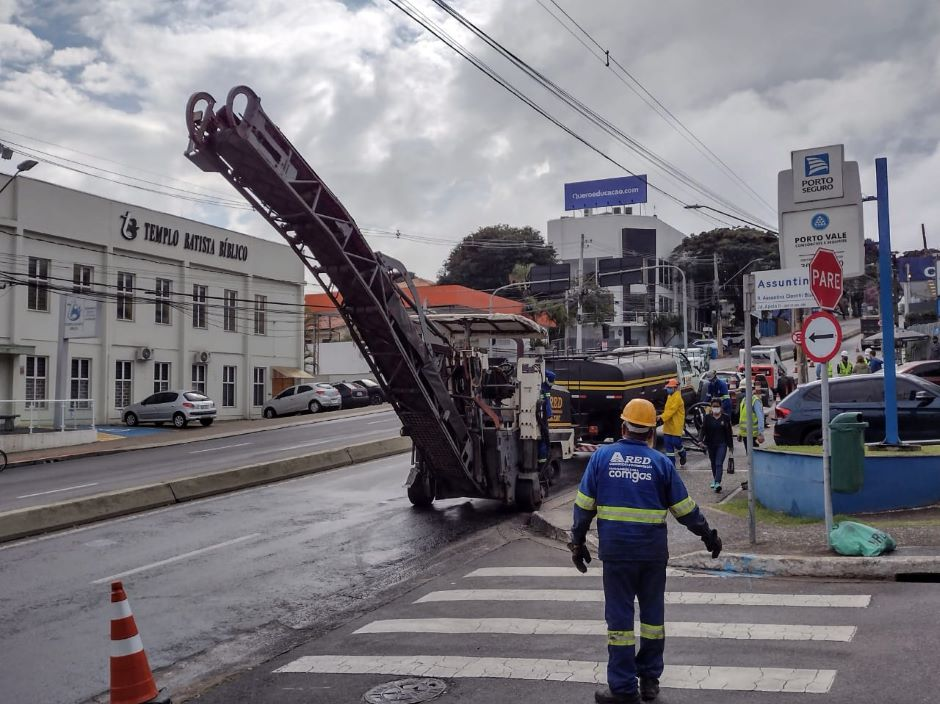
x=935 y=348
x=629 y=487
x=875 y=364
x=756 y=429
x=718 y=439
x=844 y=367
x=861 y=365
x=673 y=419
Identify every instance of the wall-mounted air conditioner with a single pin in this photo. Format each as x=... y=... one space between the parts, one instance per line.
x=144 y=354
x=202 y=357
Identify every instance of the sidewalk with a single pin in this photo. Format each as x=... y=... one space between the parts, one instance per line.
x=162 y=438
x=786 y=546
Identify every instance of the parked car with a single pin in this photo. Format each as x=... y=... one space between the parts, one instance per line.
x=710 y=345
x=354 y=395
x=176 y=407
x=733 y=339
x=799 y=415
x=927 y=369
x=376 y=395
x=303 y=398
x=699 y=358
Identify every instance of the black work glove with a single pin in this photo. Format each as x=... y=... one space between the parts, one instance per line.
x=579 y=555
x=712 y=542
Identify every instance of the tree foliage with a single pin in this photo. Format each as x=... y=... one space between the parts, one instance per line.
x=485 y=259
x=664 y=325
x=735 y=247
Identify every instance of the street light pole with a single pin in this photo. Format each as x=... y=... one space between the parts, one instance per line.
x=23 y=166
x=518 y=284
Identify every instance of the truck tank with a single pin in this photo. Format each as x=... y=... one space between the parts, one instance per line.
x=601 y=386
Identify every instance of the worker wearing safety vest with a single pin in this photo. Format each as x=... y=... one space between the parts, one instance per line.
x=756 y=430
x=844 y=367
x=673 y=418
x=629 y=487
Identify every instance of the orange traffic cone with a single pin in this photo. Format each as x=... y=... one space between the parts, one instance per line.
x=131 y=679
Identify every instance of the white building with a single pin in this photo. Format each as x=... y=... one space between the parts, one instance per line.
x=183 y=304
x=617 y=234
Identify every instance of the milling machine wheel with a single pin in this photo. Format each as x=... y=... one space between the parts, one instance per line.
x=421 y=491
x=529 y=495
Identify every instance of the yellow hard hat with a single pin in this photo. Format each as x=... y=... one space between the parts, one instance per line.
x=640 y=412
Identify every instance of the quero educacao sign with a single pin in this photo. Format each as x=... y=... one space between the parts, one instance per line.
x=133 y=228
x=608 y=191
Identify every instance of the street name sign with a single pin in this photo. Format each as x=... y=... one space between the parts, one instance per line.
x=825 y=275
x=782 y=288
x=822 y=336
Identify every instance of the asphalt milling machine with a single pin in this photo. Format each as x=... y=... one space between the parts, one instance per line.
x=478 y=428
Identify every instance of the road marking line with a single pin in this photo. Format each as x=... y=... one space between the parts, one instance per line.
x=305 y=444
x=548 y=627
x=223 y=447
x=567 y=572
x=177 y=558
x=376 y=422
x=704 y=598
x=751 y=679
x=56 y=491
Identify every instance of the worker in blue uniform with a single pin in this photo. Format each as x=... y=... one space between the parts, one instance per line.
x=718 y=389
x=630 y=487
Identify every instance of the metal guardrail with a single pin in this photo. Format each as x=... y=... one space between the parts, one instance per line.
x=46 y=415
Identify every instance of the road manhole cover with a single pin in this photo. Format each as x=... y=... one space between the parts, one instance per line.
x=409 y=691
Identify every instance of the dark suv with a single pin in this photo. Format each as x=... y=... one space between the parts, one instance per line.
x=799 y=415
x=375 y=391
x=353 y=394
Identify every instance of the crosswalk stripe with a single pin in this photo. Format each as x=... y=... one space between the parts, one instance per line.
x=753 y=679
x=548 y=627
x=567 y=572
x=702 y=598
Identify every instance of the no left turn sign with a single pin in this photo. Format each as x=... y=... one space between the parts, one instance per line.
x=822 y=336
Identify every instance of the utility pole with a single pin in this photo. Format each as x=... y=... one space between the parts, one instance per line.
x=717 y=295
x=579 y=346
x=923 y=234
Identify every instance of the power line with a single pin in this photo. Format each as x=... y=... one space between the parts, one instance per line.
x=588 y=112
x=656 y=105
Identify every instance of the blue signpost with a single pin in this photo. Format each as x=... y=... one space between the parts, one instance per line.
x=886 y=302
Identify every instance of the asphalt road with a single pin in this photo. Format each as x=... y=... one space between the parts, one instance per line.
x=503 y=629
x=212 y=580
x=34 y=485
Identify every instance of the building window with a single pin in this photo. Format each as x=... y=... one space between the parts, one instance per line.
x=199 y=378
x=228 y=386
x=82 y=277
x=38 y=289
x=80 y=383
x=257 y=388
x=228 y=309
x=260 y=303
x=161 y=377
x=125 y=296
x=161 y=308
x=123 y=370
x=36 y=381
x=199 y=306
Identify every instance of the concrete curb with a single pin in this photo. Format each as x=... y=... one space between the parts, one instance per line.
x=24 y=522
x=889 y=567
x=356 y=413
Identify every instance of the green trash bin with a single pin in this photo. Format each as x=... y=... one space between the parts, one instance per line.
x=847 y=452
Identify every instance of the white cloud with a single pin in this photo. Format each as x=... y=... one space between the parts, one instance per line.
x=18 y=45
x=73 y=56
x=410 y=136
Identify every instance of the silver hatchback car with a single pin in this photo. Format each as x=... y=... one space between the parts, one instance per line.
x=303 y=398
x=177 y=407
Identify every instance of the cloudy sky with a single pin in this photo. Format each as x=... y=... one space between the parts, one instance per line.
x=413 y=138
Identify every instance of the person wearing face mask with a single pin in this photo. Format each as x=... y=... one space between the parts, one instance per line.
x=718 y=438
x=673 y=419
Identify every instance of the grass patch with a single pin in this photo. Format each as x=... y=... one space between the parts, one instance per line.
x=738 y=507
x=924 y=451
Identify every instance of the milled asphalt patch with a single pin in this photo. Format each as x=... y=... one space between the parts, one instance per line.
x=88 y=509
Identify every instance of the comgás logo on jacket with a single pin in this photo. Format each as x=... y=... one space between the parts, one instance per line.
x=629 y=467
